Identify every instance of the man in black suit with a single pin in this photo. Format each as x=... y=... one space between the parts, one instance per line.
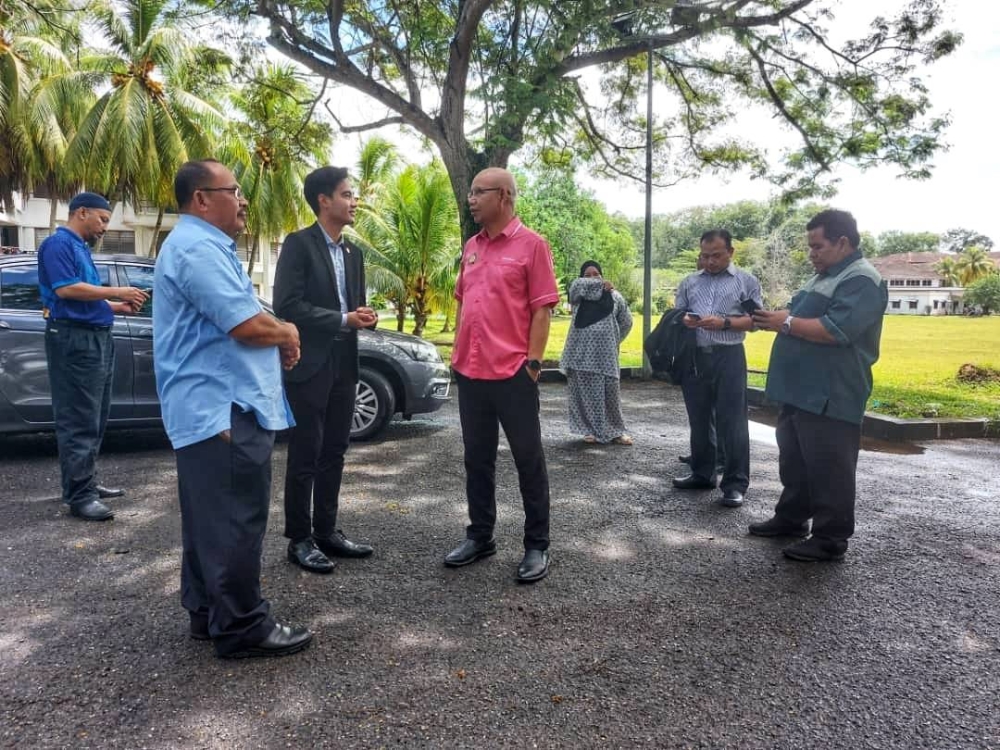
x=319 y=285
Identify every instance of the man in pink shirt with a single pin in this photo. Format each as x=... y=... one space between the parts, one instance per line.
x=506 y=290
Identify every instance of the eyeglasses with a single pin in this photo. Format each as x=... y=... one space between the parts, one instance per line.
x=237 y=193
x=477 y=192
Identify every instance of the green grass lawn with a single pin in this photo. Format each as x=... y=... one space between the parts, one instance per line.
x=919 y=362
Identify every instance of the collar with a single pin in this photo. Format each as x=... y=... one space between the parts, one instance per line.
x=836 y=268
x=210 y=229
x=332 y=243
x=72 y=234
x=730 y=269
x=512 y=228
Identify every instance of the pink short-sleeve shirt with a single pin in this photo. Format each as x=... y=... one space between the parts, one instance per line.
x=502 y=282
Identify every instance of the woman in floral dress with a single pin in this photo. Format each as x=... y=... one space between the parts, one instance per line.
x=601 y=321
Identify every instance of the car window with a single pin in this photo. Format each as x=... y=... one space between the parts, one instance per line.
x=19 y=288
x=141 y=277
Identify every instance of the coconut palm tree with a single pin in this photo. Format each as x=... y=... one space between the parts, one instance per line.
x=973 y=264
x=272 y=144
x=144 y=126
x=949 y=272
x=34 y=117
x=414 y=229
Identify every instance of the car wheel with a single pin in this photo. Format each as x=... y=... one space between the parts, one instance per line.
x=374 y=405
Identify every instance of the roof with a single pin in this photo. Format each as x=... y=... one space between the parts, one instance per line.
x=915 y=265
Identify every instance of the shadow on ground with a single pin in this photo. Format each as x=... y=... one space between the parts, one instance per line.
x=662 y=624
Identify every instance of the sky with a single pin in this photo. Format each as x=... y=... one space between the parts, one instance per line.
x=961 y=193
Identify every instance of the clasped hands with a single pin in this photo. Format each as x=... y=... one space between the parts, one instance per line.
x=770 y=320
x=363 y=317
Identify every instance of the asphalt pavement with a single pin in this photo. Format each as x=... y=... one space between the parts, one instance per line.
x=661 y=624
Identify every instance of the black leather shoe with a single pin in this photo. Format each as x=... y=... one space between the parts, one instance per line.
x=306 y=556
x=534 y=566
x=282 y=641
x=92 y=510
x=107 y=492
x=731 y=499
x=685 y=459
x=777 y=527
x=692 y=482
x=469 y=551
x=199 y=627
x=816 y=550
x=338 y=545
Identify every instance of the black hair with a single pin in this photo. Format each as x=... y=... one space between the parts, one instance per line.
x=718 y=234
x=191 y=176
x=836 y=224
x=591 y=264
x=322 y=181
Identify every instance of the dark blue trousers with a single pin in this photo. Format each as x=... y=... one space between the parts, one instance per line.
x=81 y=361
x=483 y=406
x=719 y=382
x=224 y=485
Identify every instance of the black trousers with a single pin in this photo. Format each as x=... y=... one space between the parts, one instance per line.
x=323 y=407
x=224 y=485
x=484 y=406
x=817 y=463
x=81 y=364
x=719 y=384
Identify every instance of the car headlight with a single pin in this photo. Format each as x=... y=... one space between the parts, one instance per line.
x=421 y=351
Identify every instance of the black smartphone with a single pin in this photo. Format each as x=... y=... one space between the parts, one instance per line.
x=690 y=314
x=749 y=306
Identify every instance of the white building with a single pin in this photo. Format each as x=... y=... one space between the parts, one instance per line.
x=916 y=288
x=130 y=232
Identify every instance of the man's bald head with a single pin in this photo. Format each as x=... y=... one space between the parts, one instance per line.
x=491 y=199
x=498 y=177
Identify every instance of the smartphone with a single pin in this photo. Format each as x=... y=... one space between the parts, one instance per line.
x=749 y=306
x=696 y=316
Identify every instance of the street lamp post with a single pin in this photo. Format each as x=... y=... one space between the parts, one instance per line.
x=647 y=248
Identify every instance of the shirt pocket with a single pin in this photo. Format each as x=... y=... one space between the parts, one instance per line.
x=512 y=278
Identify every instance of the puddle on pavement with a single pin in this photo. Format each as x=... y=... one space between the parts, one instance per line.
x=762 y=422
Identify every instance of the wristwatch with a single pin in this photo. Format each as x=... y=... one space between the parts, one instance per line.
x=786 y=327
x=534 y=365
x=726 y=323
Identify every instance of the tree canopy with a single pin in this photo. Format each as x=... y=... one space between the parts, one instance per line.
x=481 y=78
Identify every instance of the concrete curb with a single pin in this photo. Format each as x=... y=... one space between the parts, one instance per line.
x=894 y=428
x=875 y=425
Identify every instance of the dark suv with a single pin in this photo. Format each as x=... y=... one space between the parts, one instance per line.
x=399 y=373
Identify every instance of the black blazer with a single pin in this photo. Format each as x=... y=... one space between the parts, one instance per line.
x=306 y=294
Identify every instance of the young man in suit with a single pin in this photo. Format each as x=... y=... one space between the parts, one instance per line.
x=319 y=285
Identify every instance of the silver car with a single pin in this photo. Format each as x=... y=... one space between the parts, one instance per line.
x=399 y=373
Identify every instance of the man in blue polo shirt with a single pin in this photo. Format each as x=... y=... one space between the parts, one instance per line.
x=821 y=373
x=218 y=362
x=80 y=350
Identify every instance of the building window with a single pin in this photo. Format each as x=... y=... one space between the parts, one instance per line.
x=913 y=304
x=927 y=282
x=894 y=304
x=913 y=282
x=895 y=282
x=114 y=242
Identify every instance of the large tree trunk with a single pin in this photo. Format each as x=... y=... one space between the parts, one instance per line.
x=446 y=328
x=400 y=315
x=153 y=249
x=53 y=207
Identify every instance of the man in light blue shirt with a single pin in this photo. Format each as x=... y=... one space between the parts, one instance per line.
x=218 y=359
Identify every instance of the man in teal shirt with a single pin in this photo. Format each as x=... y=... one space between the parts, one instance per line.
x=821 y=373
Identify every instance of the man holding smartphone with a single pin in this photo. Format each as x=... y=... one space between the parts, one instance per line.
x=717 y=298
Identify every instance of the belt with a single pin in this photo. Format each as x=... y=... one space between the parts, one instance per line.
x=78 y=324
x=716 y=348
